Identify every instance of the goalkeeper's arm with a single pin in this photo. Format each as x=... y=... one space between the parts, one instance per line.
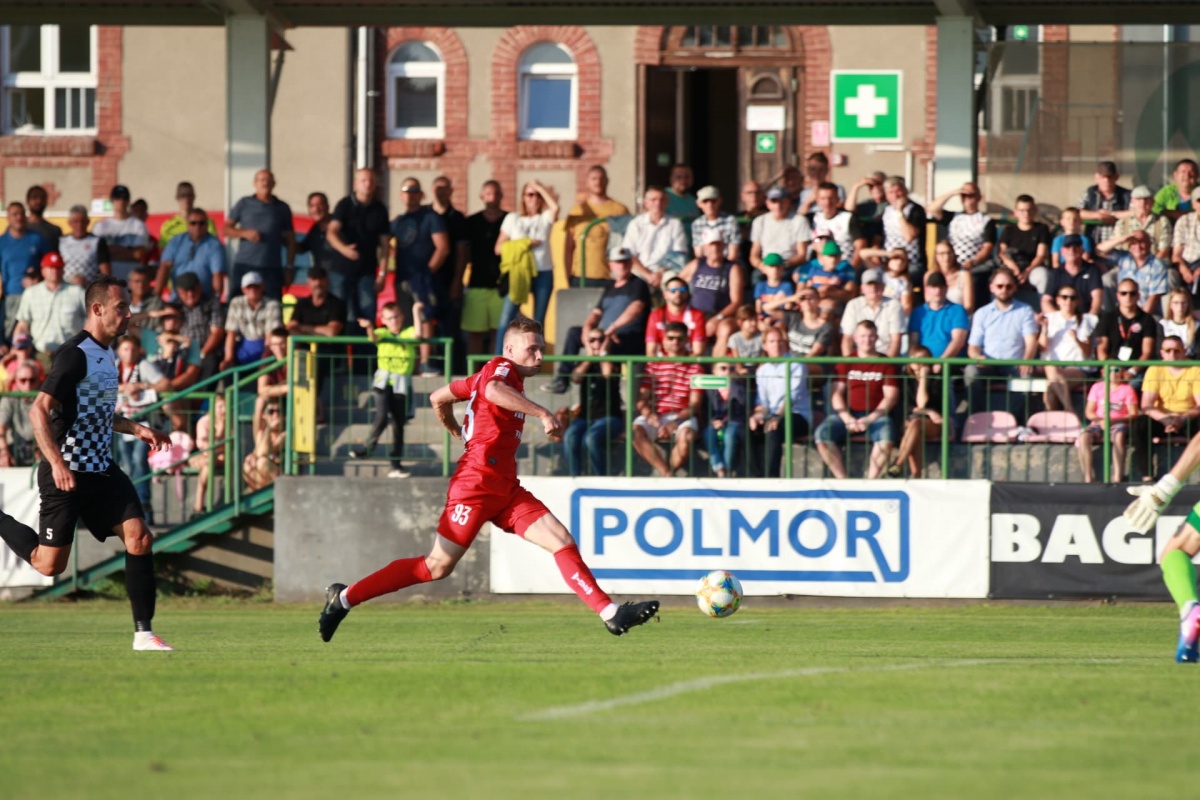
x=1151 y=501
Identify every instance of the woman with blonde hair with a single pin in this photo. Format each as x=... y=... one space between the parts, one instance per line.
x=960 y=288
x=1179 y=319
x=538 y=212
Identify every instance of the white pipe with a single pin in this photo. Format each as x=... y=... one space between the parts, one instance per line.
x=362 y=121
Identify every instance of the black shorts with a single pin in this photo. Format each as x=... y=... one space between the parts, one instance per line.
x=102 y=500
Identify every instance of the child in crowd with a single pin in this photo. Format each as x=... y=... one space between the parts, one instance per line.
x=1121 y=409
x=746 y=341
x=393 y=382
x=726 y=429
x=210 y=433
x=1071 y=222
x=774 y=286
x=833 y=278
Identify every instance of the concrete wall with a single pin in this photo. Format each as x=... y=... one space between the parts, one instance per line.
x=173 y=101
x=890 y=48
x=73 y=184
x=331 y=529
x=174 y=115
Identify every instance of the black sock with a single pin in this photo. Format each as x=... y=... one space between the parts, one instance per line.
x=21 y=538
x=141 y=587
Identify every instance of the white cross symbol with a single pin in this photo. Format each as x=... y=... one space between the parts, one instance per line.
x=866 y=106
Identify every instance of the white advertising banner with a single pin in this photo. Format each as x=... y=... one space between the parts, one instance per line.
x=802 y=537
x=19 y=499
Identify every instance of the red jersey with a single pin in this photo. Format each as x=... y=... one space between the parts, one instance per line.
x=865 y=382
x=492 y=434
x=671 y=383
x=659 y=317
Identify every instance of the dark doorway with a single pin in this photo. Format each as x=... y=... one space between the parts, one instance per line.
x=694 y=116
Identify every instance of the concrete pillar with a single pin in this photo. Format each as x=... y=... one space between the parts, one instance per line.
x=247 y=103
x=955 y=150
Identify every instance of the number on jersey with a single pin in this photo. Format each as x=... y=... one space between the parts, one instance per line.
x=461 y=514
x=468 y=423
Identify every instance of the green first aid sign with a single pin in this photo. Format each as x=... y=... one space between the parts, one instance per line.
x=765 y=142
x=865 y=106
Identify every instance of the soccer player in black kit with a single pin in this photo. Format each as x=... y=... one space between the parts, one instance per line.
x=73 y=422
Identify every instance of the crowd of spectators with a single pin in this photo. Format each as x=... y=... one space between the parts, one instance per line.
x=800 y=267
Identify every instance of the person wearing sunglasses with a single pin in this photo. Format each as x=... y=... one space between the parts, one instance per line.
x=537 y=213
x=1170 y=404
x=667 y=406
x=599 y=418
x=1073 y=273
x=17 y=445
x=1004 y=329
x=198 y=252
x=971 y=233
x=677 y=308
x=1127 y=333
x=1066 y=335
x=1137 y=262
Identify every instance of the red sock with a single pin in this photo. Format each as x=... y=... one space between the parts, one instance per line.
x=579 y=577
x=392 y=578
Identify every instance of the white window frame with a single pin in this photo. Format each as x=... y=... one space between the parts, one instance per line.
x=416 y=69
x=48 y=79
x=1020 y=83
x=543 y=70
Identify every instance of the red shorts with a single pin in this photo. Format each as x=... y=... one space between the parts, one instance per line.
x=473 y=500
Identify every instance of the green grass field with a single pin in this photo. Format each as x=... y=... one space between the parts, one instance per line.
x=536 y=700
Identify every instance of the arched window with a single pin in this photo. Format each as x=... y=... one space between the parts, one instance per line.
x=549 y=98
x=416 y=84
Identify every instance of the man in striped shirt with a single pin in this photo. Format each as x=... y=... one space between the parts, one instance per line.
x=668 y=405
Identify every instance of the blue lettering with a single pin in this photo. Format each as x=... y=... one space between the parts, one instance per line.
x=604 y=528
x=698 y=548
x=639 y=532
x=739 y=524
x=866 y=525
x=794 y=533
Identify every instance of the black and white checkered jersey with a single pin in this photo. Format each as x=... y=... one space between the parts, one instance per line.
x=83 y=379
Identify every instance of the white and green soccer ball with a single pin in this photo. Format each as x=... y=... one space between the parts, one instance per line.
x=719 y=593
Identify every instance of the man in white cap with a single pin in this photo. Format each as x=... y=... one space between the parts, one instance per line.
x=711 y=217
x=251 y=319
x=884 y=312
x=618 y=319
x=1141 y=217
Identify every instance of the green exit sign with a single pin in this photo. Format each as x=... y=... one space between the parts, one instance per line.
x=765 y=142
x=710 y=381
x=1020 y=33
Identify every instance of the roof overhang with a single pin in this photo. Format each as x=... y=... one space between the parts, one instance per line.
x=491 y=13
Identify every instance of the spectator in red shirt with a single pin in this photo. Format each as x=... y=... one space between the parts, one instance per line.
x=677 y=309
x=863 y=397
x=668 y=405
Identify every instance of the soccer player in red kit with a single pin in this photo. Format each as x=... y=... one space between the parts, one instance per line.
x=485 y=489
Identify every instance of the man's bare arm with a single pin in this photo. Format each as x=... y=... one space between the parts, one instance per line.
x=443 y=401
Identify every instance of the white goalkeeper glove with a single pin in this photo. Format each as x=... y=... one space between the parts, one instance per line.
x=1151 y=501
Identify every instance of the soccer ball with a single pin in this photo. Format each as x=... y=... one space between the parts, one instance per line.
x=719 y=593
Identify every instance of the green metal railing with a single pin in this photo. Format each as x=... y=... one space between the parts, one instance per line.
x=949 y=367
x=326 y=390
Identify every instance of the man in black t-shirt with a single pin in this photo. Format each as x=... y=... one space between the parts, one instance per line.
x=620 y=316
x=448 y=281
x=358 y=231
x=1073 y=271
x=73 y=421
x=321 y=313
x=1126 y=333
x=1025 y=246
x=483 y=303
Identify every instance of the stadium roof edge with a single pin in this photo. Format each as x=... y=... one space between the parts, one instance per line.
x=288 y=13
